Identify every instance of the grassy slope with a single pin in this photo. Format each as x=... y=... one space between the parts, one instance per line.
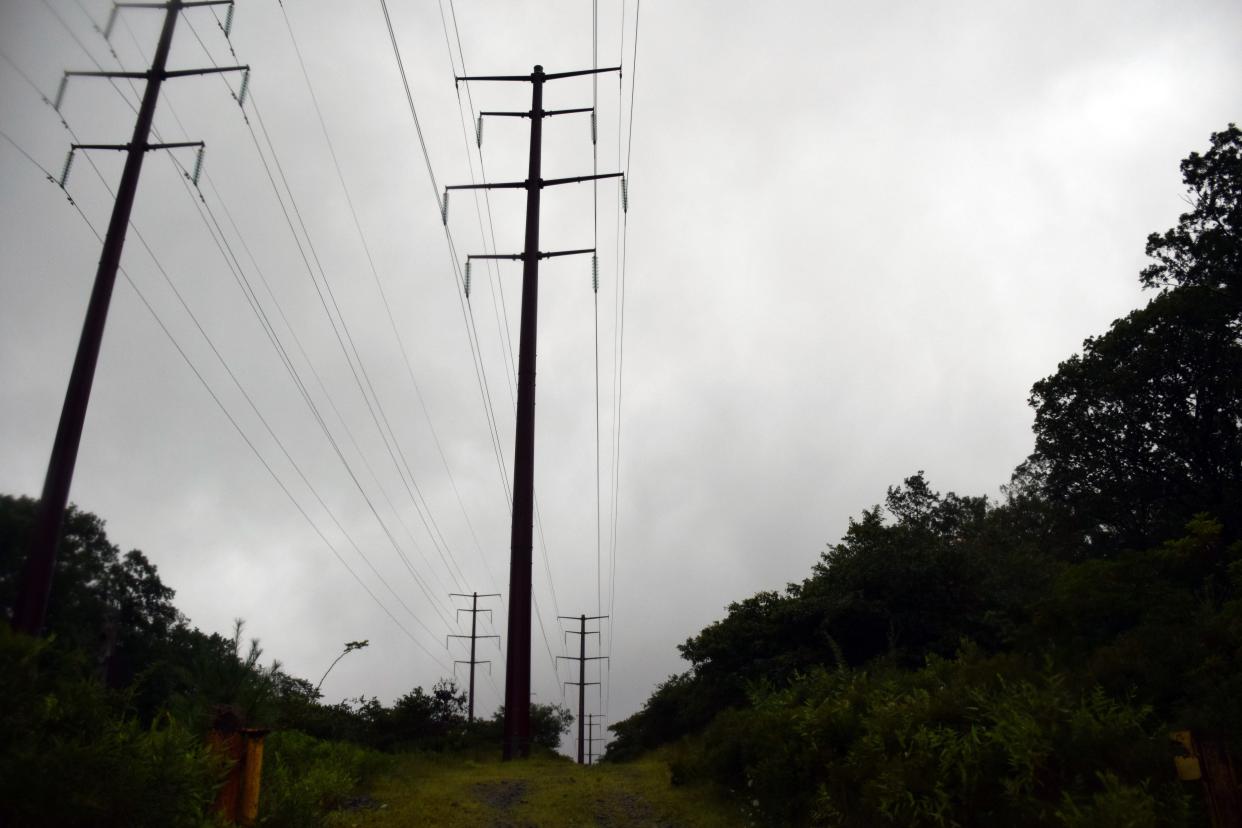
x=456 y=790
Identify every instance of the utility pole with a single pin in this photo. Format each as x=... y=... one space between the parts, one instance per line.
x=34 y=588
x=517 y=662
x=582 y=683
x=591 y=737
x=474 y=636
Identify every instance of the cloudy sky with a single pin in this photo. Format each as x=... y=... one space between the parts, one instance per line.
x=857 y=234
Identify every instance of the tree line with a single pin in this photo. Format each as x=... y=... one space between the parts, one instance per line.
x=969 y=660
x=103 y=721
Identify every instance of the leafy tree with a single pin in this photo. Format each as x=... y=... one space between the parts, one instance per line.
x=1144 y=428
x=1205 y=249
x=432 y=720
x=548 y=723
x=104 y=602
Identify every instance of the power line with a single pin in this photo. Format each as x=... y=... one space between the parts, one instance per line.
x=219 y=403
x=619 y=329
x=433 y=529
x=270 y=330
x=471 y=333
x=427 y=591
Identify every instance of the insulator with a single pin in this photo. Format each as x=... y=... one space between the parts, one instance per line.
x=228 y=20
x=111 y=22
x=64 y=175
x=444 y=210
x=198 y=162
x=245 y=87
x=595 y=273
x=60 y=93
x=593 y=132
x=478 y=132
x=625 y=194
x=467 y=278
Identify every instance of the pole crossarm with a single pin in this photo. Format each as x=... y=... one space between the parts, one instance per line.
x=579 y=658
x=577 y=72
x=104 y=74
x=520 y=256
x=528 y=78
x=581 y=683
x=472 y=595
x=175 y=73
x=127 y=147
x=525 y=185
x=185 y=5
x=471 y=665
x=502 y=185
x=581 y=617
x=214 y=70
x=576 y=179
x=460 y=78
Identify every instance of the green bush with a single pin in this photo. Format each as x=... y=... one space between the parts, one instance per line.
x=74 y=753
x=305 y=779
x=951 y=744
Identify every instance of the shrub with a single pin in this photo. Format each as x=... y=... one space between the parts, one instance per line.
x=304 y=779
x=74 y=753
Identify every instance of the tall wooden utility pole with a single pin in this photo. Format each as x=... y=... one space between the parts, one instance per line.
x=474 y=636
x=35 y=586
x=517 y=662
x=582 y=683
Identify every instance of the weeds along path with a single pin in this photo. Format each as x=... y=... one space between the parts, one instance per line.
x=430 y=790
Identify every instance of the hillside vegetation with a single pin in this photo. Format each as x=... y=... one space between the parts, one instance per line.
x=960 y=660
x=955 y=660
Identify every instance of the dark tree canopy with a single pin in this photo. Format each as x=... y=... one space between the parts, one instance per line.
x=1205 y=248
x=1143 y=429
x=102 y=600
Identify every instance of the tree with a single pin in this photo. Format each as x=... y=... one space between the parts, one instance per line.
x=105 y=603
x=1205 y=249
x=1144 y=429
x=426 y=720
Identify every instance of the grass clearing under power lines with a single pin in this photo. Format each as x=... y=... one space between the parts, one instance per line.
x=460 y=790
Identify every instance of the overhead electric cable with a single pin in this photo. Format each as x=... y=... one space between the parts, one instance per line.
x=269 y=329
x=211 y=392
x=433 y=529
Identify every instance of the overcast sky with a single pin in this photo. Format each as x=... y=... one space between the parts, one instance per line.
x=857 y=234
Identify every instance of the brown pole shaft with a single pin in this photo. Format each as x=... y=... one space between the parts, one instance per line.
x=517 y=662
x=35 y=587
x=581 y=686
x=474 y=615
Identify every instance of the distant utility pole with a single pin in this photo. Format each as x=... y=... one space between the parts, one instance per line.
x=474 y=636
x=35 y=585
x=591 y=738
x=582 y=682
x=517 y=662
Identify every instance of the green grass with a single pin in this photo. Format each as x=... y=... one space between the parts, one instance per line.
x=435 y=790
